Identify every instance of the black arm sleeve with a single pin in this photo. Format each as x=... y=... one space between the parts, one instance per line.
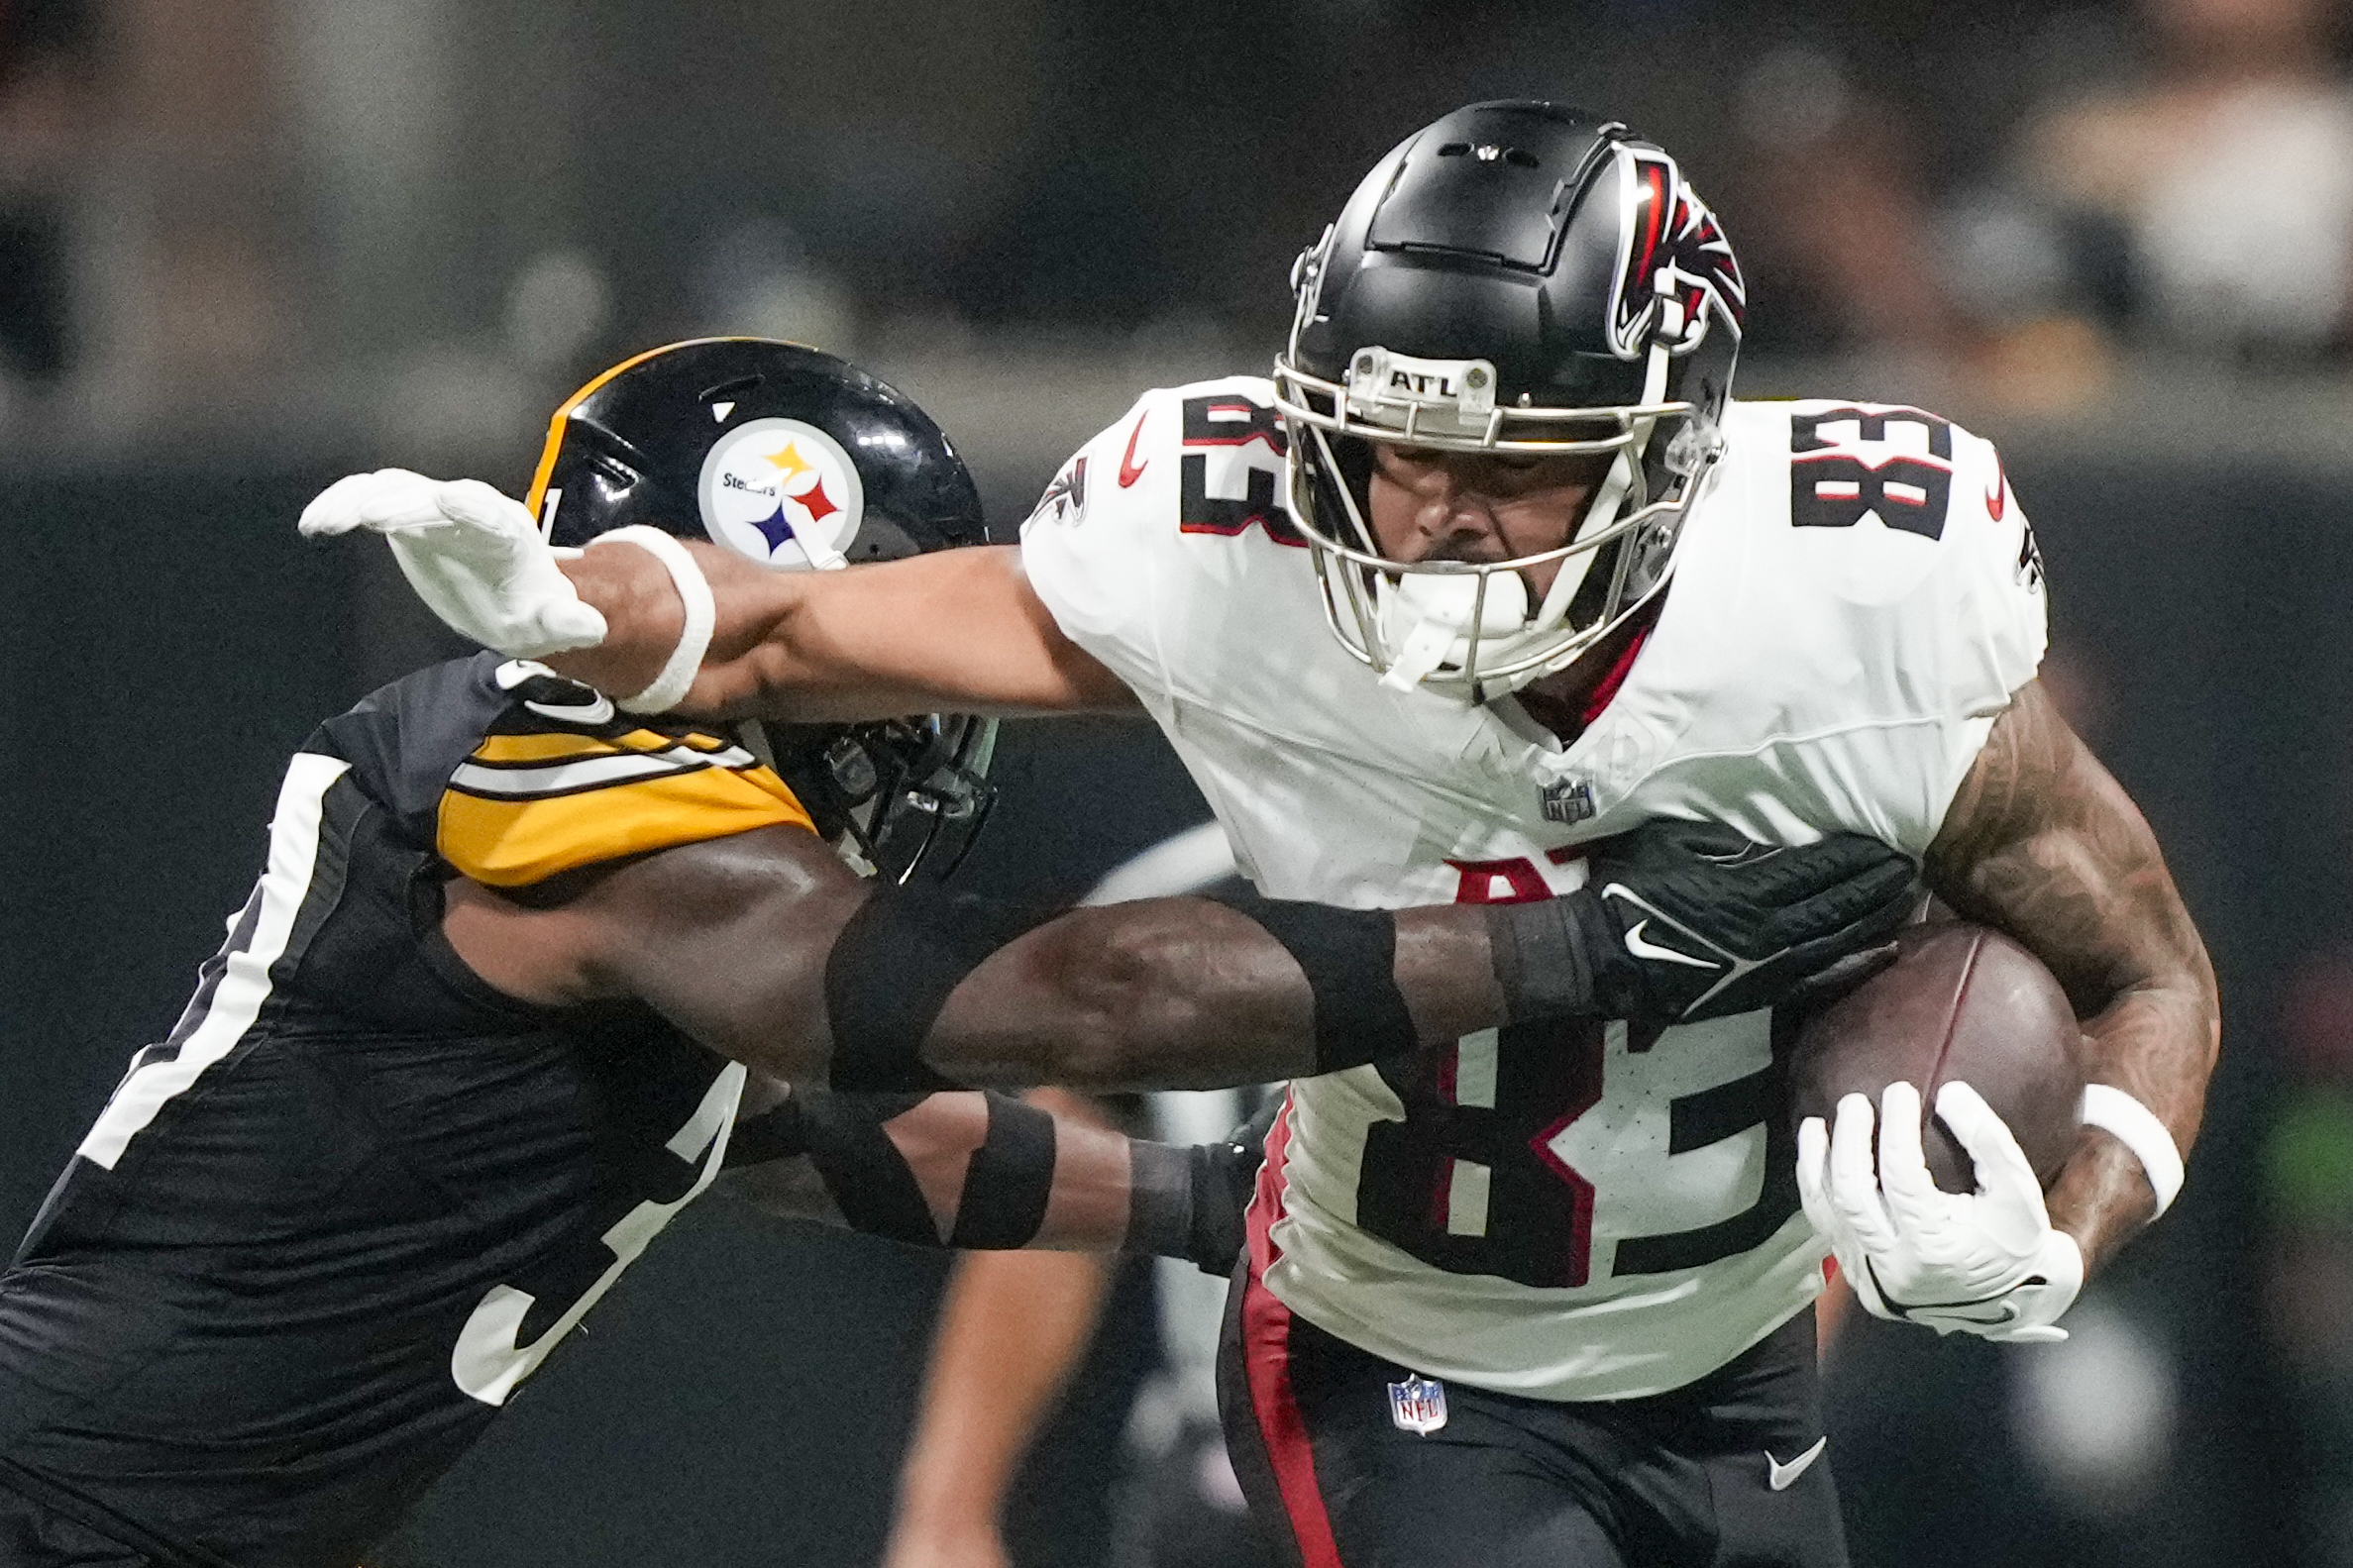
x=892 y=970
x=1350 y=958
x=1007 y=1184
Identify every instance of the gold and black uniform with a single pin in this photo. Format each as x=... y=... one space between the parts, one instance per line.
x=323 y=1229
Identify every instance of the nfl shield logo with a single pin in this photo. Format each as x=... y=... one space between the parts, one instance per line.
x=1418 y=1404
x=1569 y=800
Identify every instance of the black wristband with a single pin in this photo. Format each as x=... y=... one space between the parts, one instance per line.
x=1540 y=950
x=1350 y=958
x=891 y=971
x=1009 y=1180
x=1160 y=1200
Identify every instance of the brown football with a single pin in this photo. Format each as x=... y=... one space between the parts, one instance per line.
x=1961 y=1003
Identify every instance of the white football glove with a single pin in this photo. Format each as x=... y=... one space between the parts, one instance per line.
x=1987 y=1263
x=473 y=556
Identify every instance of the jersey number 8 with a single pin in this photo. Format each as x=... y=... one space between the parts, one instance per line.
x=1533 y=1142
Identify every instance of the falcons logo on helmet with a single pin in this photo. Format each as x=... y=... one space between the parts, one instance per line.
x=1673 y=250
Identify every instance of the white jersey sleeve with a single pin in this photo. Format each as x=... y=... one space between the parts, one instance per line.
x=1137 y=544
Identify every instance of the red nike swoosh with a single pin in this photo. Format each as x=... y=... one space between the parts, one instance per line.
x=1997 y=498
x=1131 y=470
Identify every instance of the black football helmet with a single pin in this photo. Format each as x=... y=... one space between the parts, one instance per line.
x=1518 y=277
x=798 y=461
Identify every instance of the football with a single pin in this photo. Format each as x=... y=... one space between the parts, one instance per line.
x=1961 y=1003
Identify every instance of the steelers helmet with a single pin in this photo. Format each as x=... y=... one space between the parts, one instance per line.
x=1516 y=277
x=800 y=461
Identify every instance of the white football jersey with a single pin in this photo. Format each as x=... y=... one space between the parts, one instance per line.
x=1568 y=1212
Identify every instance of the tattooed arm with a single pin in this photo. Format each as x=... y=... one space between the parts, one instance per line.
x=2044 y=843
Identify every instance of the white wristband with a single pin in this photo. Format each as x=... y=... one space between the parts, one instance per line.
x=2136 y=1126
x=694 y=590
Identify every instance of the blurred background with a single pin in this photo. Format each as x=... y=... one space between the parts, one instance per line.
x=247 y=246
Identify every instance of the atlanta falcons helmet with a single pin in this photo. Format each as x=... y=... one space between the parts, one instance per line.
x=1516 y=278
x=800 y=462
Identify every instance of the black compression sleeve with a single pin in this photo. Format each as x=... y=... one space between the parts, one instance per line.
x=777 y=1134
x=1350 y=958
x=891 y=972
x=1009 y=1180
x=870 y=1179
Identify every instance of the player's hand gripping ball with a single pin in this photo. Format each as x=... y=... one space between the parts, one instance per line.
x=1987 y=1263
x=1951 y=1232
x=472 y=555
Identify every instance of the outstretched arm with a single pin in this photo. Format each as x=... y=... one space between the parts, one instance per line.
x=958 y=631
x=764 y=947
x=2044 y=843
x=732 y=940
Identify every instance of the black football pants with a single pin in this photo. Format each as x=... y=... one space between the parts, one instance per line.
x=1683 y=1480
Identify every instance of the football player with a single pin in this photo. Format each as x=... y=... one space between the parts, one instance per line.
x=1491 y=569
x=524 y=968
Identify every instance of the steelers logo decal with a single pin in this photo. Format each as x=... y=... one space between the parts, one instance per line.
x=782 y=493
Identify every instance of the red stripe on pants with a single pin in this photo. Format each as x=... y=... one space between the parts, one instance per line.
x=1266 y=1365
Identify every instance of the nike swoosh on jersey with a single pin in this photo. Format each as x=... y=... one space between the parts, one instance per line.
x=1780 y=1477
x=1997 y=499
x=1131 y=470
x=1641 y=948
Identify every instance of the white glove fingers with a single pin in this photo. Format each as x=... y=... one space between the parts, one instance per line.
x=1813 y=1181
x=1914 y=1198
x=1813 y=1192
x=1813 y=1175
x=478 y=505
x=388 y=497
x=1854 y=1182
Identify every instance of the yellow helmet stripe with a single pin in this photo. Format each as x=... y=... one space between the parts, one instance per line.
x=536 y=496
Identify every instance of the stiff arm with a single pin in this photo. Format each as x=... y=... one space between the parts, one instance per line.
x=957 y=631
x=2043 y=843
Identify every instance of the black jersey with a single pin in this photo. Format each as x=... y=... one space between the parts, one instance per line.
x=323 y=1229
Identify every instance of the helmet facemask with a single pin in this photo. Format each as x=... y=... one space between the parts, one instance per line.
x=1478 y=627
x=892 y=797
